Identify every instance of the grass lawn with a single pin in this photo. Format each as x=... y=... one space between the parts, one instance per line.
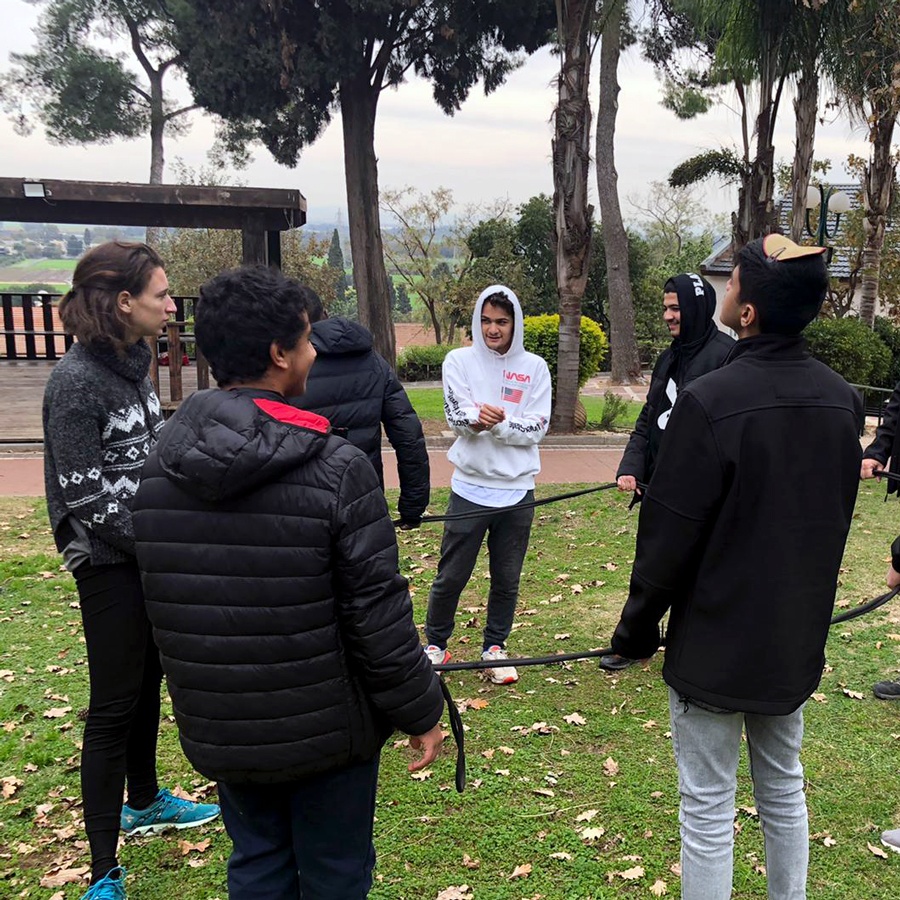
x=429 y=404
x=64 y=264
x=572 y=788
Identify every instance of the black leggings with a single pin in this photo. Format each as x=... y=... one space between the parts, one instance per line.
x=123 y=716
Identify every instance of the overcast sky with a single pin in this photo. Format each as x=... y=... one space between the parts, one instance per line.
x=496 y=147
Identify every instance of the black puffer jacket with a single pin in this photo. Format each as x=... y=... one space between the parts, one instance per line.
x=699 y=348
x=270 y=572
x=357 y=391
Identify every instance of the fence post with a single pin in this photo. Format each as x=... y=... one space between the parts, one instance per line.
x=176 y=393
x=9 y=327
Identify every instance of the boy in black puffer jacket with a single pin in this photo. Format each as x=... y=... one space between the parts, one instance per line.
x=357 y=391
x=270 y=570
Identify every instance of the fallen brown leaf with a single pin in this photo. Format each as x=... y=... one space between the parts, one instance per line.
x=522 y=871
x=60 y=877
x=187 y=847
x=462 y=892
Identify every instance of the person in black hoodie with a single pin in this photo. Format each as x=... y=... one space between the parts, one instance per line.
x=698 y=347
x=270 y=572
x=742 y=542
x=357 y=391
x=884 y=453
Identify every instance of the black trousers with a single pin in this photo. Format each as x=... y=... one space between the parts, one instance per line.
x=123 y=716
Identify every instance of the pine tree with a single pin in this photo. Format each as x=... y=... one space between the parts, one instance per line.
x=336 y=262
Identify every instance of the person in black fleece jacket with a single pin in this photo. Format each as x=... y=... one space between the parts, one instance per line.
x=357 y=391
x=270 y=570
x=742 y=541
x=698 y=347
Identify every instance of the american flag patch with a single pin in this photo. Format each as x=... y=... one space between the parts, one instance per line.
x=512 y=395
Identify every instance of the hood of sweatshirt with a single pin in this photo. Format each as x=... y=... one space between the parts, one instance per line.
x=222 y=443
x=338 y=336
x=517 y=346
x=697 y=303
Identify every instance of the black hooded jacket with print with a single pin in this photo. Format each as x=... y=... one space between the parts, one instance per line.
x=699 y=348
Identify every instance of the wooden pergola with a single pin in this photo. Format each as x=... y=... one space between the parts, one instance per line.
x=260 y=214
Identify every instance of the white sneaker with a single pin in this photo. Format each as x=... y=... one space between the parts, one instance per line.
x=437 y=656
x=891 y=839
x=502 y=674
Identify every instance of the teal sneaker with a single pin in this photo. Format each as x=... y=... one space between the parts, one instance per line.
x=110 y=887
x=166 y=812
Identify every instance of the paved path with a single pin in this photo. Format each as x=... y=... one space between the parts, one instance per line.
x=23 y=476
x=22 y=389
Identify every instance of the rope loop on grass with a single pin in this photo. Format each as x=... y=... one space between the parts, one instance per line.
x=456 y=725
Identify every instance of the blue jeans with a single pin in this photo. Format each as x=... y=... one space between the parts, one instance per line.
x=308 y=839
x=707 y=746
x=508 y=529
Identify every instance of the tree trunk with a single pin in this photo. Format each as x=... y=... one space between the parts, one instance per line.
x=157 y=135
x=626 y=364
x=359 y=101
x=879 y=180
x=571 y=211
x=760 y=201
x=805 y=107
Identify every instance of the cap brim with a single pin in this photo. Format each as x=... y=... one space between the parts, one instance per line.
x=777 y=246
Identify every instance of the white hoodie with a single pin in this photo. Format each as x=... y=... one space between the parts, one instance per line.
x=505 y=456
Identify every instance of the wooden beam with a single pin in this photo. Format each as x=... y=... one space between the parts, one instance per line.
x=273 y=248
x=159 y=205
x=253 y=244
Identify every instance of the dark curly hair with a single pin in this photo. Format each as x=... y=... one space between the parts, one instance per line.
x=238 y=316
x=90 y=310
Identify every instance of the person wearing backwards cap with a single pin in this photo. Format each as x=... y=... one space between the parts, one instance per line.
x=742 y=542
x=698 y=347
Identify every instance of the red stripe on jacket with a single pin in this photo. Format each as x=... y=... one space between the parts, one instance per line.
x=290 y=415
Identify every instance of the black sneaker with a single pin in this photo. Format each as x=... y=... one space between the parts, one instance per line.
x=887 y=690
x=612 y=662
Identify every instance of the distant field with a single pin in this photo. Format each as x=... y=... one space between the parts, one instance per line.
x=31 y=271
x=65 y=264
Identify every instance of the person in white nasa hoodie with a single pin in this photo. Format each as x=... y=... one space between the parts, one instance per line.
x=497 y=401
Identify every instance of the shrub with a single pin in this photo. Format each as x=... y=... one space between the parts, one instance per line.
x=542 y=337
x=614 y=409
x=851 y=348
x=422 y=363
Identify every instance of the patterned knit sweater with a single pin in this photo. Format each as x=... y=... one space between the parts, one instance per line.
x=101 y=417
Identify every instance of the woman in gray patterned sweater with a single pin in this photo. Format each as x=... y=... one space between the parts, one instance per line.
x=101 y=417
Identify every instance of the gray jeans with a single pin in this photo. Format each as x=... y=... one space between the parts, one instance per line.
x=508 y=529
x=707 y=746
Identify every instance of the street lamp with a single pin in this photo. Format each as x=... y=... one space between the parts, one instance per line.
x=828 y=201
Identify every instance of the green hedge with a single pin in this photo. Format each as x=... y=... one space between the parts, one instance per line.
x=890 y=334
x=422 y=363
x=542 y=337
x=852 y=349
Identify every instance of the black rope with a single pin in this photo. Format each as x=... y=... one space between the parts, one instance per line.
x=522 y=661
x=858 y=611
x=491 y=511
x=456 y=725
